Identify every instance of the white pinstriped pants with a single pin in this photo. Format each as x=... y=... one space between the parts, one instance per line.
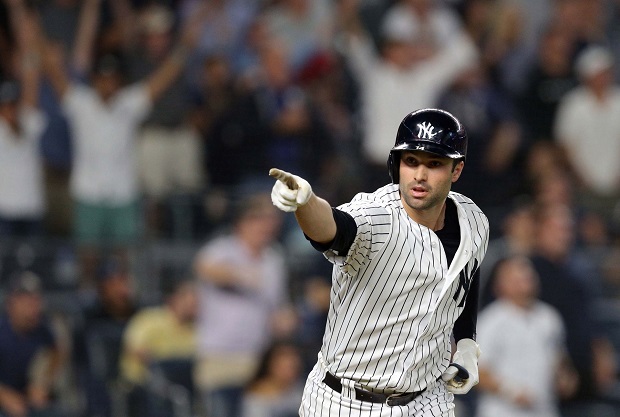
x=319 y=400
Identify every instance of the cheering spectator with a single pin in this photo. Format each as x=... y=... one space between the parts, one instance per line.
x=225 y=25
x=104 y=117
x=21 y=126
x=169 y=152
x=305 y=26
x=410 y=73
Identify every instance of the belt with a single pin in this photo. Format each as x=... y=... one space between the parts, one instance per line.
x=373 y=397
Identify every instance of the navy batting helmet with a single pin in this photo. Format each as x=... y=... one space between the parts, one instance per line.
x=428 y=130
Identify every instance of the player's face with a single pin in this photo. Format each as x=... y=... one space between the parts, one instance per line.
x=426 y=179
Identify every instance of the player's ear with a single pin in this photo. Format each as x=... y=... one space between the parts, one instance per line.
x=456 y=171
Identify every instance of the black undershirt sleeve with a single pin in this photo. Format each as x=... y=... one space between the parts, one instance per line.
x=346 y=230
x=465 y=325
x=450 y=236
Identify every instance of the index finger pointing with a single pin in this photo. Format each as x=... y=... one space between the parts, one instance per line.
x=284 y=177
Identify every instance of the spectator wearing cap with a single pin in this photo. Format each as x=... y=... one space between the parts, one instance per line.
x=169 y=147
x=29 y=354
x=305 y=27
x=587 y=126
x=104 y=117
x=410 y=72
x=424 y=18
x=22 y=204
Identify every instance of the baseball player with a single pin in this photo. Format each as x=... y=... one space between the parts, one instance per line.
x=405 y=279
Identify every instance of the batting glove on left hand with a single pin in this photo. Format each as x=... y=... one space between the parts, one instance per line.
x=467 y=353
x=289 y=191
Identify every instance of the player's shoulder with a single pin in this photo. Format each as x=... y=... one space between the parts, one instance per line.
x=466 y=203
x=376 y=208
x=386 y=196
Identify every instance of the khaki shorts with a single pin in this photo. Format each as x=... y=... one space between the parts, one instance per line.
x=224 y=370
x=170 y=160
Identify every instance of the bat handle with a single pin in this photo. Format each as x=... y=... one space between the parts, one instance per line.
x=462 y=373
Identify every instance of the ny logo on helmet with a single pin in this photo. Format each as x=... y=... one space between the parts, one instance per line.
x=425 y=130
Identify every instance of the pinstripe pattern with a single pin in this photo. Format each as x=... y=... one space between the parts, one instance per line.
x=393 y=308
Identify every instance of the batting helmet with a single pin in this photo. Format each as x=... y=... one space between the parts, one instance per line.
x=429 y=130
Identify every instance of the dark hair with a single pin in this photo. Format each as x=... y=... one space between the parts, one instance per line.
x=253 y=203
x=267 y=358
x=9 y=91
x=109 y=63
x=170 y=286
x=24 y=282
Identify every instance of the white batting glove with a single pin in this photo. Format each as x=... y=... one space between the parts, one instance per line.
x=289 y=191
x=467 y=353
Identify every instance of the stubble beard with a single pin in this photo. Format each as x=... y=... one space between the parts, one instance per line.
x=431 y=199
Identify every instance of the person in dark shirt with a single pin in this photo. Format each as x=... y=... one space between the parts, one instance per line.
x=29 y=354
x=98 y=340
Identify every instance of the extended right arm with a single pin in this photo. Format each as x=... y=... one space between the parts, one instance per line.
x=291 y=193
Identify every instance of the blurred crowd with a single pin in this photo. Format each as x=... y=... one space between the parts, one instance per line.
x=143 y=268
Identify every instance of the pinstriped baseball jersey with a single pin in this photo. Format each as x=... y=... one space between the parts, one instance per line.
x=394 y=298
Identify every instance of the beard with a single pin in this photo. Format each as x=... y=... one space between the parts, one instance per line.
x=433 y=197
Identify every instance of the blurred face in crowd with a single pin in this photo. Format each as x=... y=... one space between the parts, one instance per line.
x=519 y=224
x=285 y=365
x=422 y=7
x=299 y=7
x=157 y=44
x=260 y=227
x=601 y=81
x=24 y=310
x=184 y=303
x=156 y=24
x=399 y=53
x=516 y=281
x=9 y=112
x=274 y=61
x=107 y=84
x=556 y=231
x=216 y=72
x=555 y=51
x=117 y=294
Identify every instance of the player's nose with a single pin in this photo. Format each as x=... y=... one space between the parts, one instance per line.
x=420 y=173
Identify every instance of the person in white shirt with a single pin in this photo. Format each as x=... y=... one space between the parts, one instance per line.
x=22 y=197
x=587 y=125
x=524 y=367
x=104 y=118
x=410 y=72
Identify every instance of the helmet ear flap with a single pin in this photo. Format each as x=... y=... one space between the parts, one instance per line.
x=393 y=164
